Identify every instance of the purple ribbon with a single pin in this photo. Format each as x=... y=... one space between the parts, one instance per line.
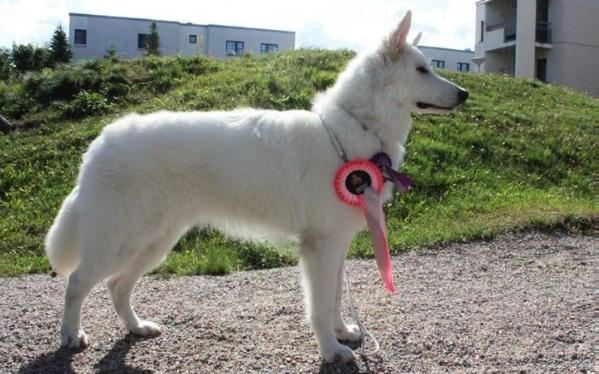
x=383 y=161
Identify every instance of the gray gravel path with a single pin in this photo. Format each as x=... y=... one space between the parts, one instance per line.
x=519 y=303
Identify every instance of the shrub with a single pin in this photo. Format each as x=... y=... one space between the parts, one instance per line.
x=62 y=83
x=14 y=102
x=85 y=103
x=26 y=57
x=5 y=67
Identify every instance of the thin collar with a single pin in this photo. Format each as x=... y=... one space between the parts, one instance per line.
x=335 y=140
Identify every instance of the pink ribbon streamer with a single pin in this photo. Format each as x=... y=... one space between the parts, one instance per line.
x=370 y=201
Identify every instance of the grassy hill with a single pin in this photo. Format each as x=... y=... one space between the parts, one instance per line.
x=518 y=155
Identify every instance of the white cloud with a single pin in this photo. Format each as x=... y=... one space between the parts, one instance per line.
x=351 y=24
x=30 y=21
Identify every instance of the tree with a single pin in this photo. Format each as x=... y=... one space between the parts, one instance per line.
x=60 y=48
x=26 y=57
x=153 y=44
x=111 y=53
x=5 y=60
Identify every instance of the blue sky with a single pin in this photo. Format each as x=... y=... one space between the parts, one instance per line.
x=318 y=23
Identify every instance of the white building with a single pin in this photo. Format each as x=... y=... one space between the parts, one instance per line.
x=450 y=59
x=92 y=35
x=555 y=41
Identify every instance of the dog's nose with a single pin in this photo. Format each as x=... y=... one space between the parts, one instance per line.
x=462 y=95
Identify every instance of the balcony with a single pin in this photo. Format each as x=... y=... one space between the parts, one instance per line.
x=543 y=30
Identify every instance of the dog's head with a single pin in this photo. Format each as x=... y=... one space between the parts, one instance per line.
x=408 y=79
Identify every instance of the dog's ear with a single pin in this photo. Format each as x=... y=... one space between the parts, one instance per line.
x=394 y=45
x=417 y=39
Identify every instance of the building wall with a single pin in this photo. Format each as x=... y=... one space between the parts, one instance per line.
x=450 y=56
x=575 y=44
x=572 y=54
x=122 y=33
x=525 y=38
x=102 y=32
x=500 y=62
x=200 y=47
x=252 y=38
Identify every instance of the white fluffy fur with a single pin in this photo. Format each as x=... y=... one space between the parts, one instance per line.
x=256 y=174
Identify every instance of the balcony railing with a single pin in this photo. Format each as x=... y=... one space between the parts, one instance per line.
x=542 y=30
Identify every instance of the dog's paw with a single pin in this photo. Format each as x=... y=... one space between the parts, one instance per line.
x=145 y=328
x=349 y=333
x=338 y=353
x=73 y=340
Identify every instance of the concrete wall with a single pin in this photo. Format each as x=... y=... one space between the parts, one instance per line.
x=102 y=32
x=200 y=47
x=450 y=56
x=122 y=33
x=500 y=62
x=525 y=38
x=571 y=55
x=252 y=38
x=574 y=56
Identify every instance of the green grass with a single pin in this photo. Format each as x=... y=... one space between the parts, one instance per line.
x=518 y=155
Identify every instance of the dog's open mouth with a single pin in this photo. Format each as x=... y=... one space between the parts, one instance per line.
x=422 y=105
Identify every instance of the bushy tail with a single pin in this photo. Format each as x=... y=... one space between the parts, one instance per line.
x=61 y=241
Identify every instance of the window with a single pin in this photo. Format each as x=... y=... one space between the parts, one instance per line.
x=463 y=67
x=542 y=69
x=193 y=39
x=80 y=36
x=142 y=40
x=438 y=63
x=268 y=48
x=234 y=48
x=482 y=31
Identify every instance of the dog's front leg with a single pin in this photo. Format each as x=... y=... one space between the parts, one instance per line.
x=320 y=259
x=347 y=332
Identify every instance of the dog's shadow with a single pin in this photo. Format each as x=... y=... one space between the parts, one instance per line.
x=371 y=365
x=61 y=360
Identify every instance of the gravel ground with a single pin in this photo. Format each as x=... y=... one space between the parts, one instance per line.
x=519 y=303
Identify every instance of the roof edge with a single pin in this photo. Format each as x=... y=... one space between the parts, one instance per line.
x=176 y=22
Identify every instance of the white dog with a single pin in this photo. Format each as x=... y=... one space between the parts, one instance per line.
x=261 y=174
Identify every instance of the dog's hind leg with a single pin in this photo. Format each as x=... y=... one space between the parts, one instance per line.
x=320 y=258
x=80 y=283
x=343 y=331
x=122 y=284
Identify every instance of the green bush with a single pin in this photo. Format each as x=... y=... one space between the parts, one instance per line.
x=62 y=83
x=14 y=101
x=85 y=103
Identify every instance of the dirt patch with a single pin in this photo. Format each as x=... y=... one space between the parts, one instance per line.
x=522 y=302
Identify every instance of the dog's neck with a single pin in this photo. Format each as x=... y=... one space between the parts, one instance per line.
x=345 y=127
x=389 y=131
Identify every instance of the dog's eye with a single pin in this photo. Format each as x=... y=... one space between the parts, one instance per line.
x=422 y=69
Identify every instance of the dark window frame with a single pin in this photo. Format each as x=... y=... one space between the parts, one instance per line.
x=482 y=31
x=541 y=69
x=464 y=67
x=237 y=50
x=142 y=41
x=439 y=64
x=268 y=48
x=193 y=39
x=80 y=34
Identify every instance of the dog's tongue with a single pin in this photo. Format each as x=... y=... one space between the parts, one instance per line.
x=375 y=218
